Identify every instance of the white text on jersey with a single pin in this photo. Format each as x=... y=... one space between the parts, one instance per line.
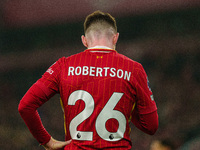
x=99 y=72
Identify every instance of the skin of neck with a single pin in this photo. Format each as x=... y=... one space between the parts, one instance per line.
x=91 y=40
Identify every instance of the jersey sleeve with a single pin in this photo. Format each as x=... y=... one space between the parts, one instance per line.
x=144 y=97
x=37 y=95
x=33 y=99
x=51 y=78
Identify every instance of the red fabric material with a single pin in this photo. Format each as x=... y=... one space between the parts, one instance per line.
x=96 y=76
x=148 y=123
x=28 y=105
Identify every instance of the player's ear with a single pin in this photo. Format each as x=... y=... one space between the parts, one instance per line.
x=115 y=38
x=84 y=41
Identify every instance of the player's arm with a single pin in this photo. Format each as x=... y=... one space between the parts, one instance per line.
x=145 y=115
x=148 y=123
x=28 y=105
x=37 y=95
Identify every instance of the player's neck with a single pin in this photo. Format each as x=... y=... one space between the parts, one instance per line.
x=102 y=45
x=102 y=40
x=99 y=46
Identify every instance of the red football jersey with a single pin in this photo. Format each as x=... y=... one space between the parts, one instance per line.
x=99 y=89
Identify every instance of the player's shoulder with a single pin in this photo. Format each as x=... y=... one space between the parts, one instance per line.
x=64 y=59
x=135 y=63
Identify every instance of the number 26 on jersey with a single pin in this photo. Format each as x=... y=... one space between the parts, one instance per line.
x=106 y=113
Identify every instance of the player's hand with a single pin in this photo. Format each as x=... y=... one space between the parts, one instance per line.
x=55 y=144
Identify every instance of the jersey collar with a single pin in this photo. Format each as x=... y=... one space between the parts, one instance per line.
x=104 y=49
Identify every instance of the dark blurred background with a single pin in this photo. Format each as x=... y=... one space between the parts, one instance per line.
x=164 y=36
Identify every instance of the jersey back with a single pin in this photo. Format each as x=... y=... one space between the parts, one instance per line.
x=99 y=90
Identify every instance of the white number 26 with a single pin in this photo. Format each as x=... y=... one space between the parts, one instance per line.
x=106 y=113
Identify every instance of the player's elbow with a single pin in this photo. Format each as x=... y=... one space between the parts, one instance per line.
x=151 y=125
x=153 y=129
x=21 y=109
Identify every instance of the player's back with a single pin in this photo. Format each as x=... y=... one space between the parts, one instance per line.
x=98 y=96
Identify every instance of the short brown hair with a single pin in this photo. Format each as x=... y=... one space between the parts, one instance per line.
x=99 y=17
